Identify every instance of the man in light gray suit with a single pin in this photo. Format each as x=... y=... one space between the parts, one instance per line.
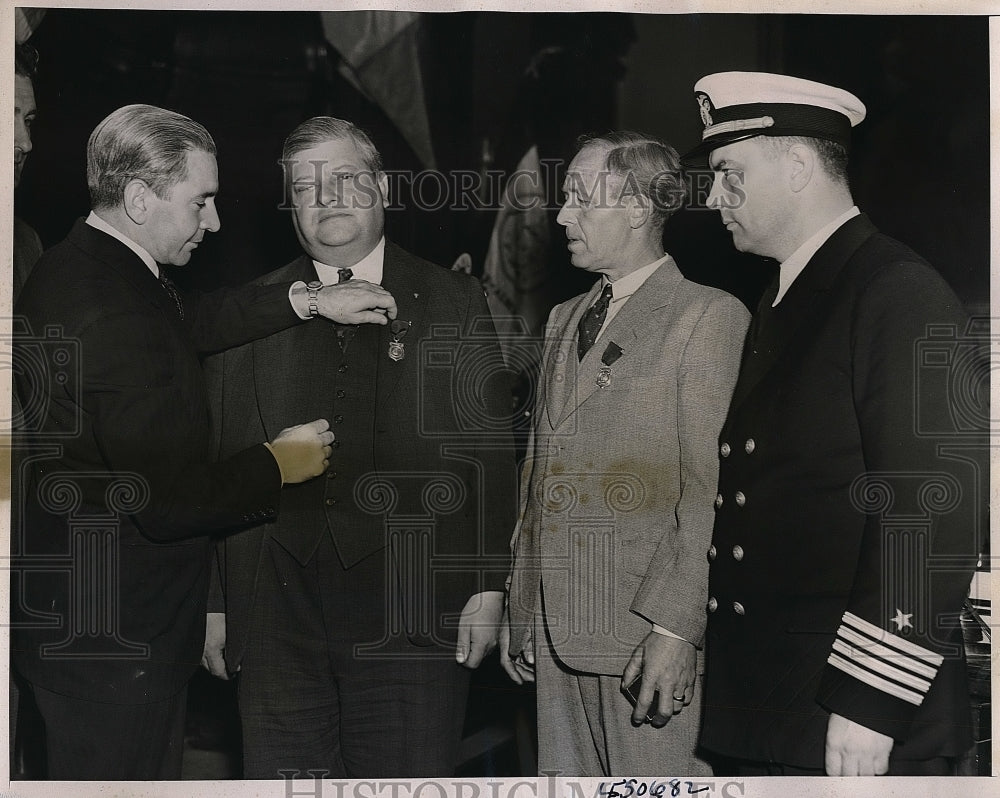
x=609 y=581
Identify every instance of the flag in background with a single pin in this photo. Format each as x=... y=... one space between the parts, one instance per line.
x=380 y=58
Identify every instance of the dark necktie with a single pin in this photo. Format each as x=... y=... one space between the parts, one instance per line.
x=591 y=323
x=345 y=332
x=172 y=292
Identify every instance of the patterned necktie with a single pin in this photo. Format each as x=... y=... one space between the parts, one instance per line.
x=172 y=292
x=591 y=323
x=345 y=332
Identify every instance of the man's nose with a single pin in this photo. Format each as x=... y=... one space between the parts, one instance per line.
x=210 y=218
x=22 y=136
x=716 y=197
x=566 y=215
x=327 y=192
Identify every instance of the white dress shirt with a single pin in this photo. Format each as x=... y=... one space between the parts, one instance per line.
x=796 y=262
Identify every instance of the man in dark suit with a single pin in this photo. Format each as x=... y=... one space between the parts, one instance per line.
x=609 y=579
x=111 y=566
x=341 y=617
x=849 y=491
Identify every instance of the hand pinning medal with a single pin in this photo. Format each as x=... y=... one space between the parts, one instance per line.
x=398 y=328
x=611 y=354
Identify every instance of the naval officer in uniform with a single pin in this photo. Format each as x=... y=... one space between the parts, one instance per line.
x=845 y=530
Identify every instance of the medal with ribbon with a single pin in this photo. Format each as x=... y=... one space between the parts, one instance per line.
x=611 y=354
x=398 y=328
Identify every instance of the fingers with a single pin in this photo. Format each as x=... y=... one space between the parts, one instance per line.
x=507 y=663
x=356 y=302
x=303 y=451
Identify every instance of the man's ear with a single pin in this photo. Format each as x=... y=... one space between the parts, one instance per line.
x=383 y=187
x=136 y=200
x=801 y=165
x=637 y=210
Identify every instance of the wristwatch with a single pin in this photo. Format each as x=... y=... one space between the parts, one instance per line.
x=313 y=295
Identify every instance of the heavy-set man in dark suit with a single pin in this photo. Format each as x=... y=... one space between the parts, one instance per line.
x=609 y=578
x=111 y=566
x=341 y=617
x=849 y=493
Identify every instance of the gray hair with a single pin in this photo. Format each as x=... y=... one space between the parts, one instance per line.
x=141 y=142
x=647 y=166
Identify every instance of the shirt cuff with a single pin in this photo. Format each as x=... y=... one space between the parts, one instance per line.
x=666 y=632
x=298 y=298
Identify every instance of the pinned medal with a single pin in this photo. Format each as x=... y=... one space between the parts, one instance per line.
x=611 y=354
x=398 y=328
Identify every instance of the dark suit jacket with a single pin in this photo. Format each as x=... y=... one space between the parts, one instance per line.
x=429 y=450
x=847 y=514
x=111 y=568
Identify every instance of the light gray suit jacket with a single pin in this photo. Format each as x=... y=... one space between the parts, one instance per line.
x=618 y=488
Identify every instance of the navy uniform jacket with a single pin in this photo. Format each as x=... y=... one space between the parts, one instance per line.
x=111 y=567
x=846 y=525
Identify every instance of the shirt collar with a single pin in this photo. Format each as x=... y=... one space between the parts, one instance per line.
x=368 y=268
x=98 y=223
x=624 y=287
x=796 y=262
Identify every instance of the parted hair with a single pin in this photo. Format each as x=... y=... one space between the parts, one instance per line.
x=141 y=142
x=645 y=165
x=321 y=129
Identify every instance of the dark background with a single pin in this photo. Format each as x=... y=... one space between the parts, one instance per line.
x=496 y=83
x=919 y=166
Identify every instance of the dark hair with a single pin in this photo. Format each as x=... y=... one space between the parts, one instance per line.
x=141 y=142
x=321 y=129
x=832 y=156
x=25 y=60
x=647 y=166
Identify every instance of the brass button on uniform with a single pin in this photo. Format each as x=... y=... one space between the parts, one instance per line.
x=330 y=502
x=740 y=498
x=750 y=445
x=711 y=554
x=725 y=449
x=737 y=553
x=713 y=604
x=718 y=501
x=341 y=393
x=738 y=608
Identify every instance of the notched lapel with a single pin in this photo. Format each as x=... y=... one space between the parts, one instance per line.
x=561 y=366
x=635 y=322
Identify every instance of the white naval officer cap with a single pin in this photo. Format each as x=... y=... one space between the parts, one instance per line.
x=740 y=105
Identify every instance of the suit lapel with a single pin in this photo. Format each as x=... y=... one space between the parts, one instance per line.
x=630 y=326
x=800 y=306
x=561 y=364
x=125 y=262
x=290 y=363
x=411 y=303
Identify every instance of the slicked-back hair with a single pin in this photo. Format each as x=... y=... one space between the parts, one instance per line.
x=141 y=142
x=321 y=129
x=645 y=165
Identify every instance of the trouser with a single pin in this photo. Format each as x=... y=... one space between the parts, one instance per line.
x=313 y=701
